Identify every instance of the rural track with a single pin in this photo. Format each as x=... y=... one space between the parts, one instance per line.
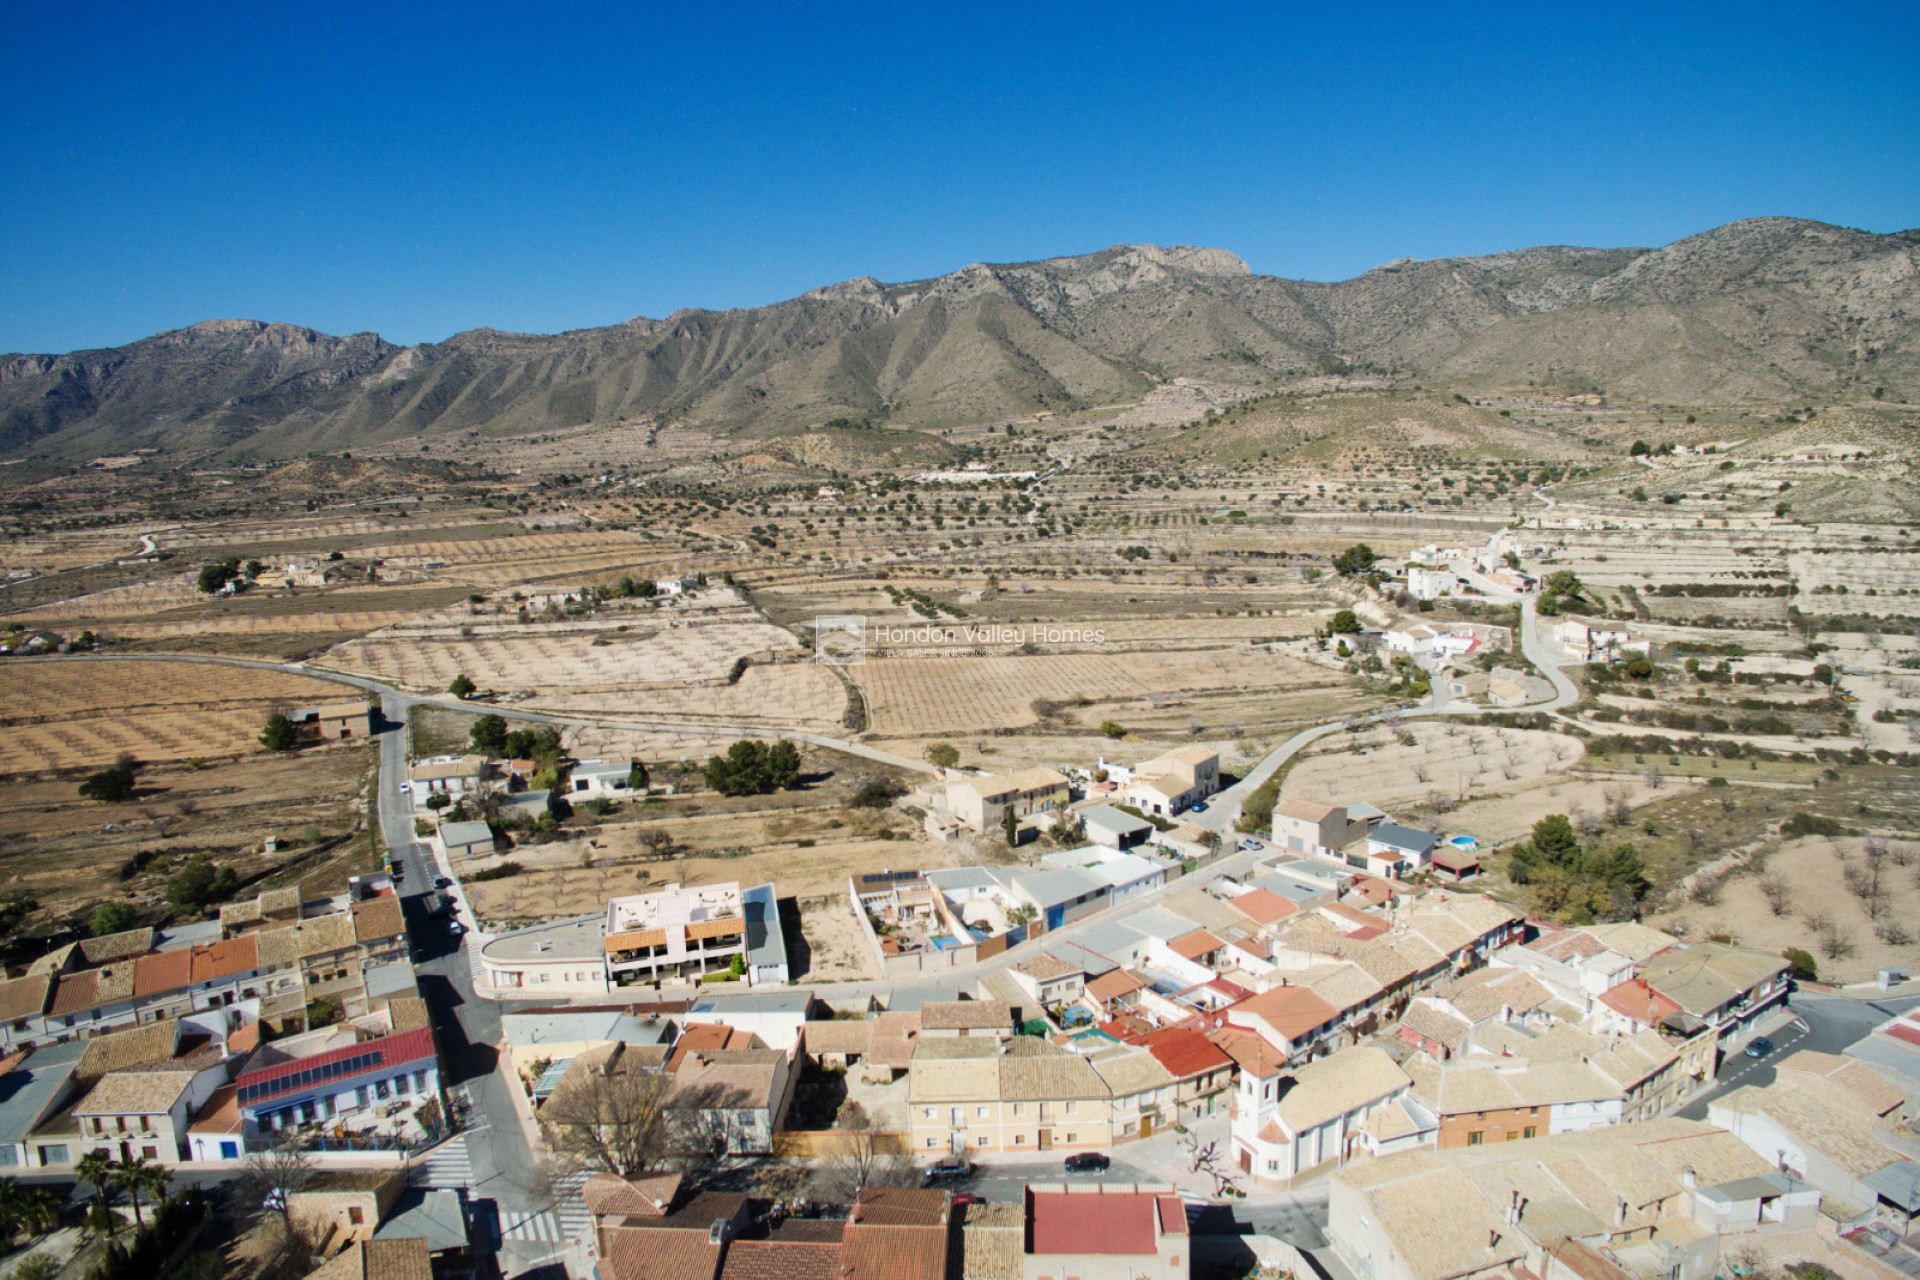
x=400 y=701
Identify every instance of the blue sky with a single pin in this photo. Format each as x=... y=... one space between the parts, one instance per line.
x=425 y=168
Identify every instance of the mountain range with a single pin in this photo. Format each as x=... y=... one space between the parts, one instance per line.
x=1761 y=311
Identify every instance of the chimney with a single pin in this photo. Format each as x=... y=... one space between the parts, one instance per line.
x=1619 y=1211
x=1688 y=1178
x=717 y=1233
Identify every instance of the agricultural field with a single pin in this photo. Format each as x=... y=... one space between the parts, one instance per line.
x=70 y=854
x=79 y=715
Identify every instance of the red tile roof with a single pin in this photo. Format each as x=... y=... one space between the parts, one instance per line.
x=1262 y=906
x=781 y=1260
x=1101 y=1222
x=1191 y=946
x=1184 y=1052
x=1291 y=1011
x=884 y=1251
x=73 y=992
x=163 y=971
x=226 y=959
x=1640 y=1002
x=1905 y=1031
x=897 y=1206
x=708 y=1037
x=659 y=1255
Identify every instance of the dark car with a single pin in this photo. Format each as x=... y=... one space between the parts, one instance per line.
x=950 y=1170
x=1087 y=1162
x=442 y=882
x=1759 y=1047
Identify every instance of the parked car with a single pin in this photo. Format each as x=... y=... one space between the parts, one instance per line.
x=442 y=882
x=952 y=1169
x=1251 y=845
x=965 y=1198
x=1087 y=1162
x=1200 y=806
x=1759 y=1047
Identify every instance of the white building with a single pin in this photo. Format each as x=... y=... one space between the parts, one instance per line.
x=1288 y=1122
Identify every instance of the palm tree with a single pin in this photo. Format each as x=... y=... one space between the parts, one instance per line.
x=96 y=1169
x=28 y=1209
x=140 y=1174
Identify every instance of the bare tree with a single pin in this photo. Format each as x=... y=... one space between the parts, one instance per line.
x=609 y=1116
x=1894 y=933
x=1777 y=894
x=1705 y=889
x=1816 y=920
x=271 y=1177
x=1204 y=1157
x=865 y=1156
x=1836 y=944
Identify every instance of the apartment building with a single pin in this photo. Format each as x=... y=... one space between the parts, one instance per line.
x=976 y=1095
x=675 y=934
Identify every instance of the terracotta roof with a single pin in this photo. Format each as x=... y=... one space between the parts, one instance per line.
x=1046 y=967
x=1292 y=1012
x=390 y=1051
x=1191 y=946
x=221 y=1114
x=226 y=959
x=73 y=992
x=1640 y=1002
x=894 y=1036
x=1184 y=1052
x=1248 y=1049
x=378 y=918
x=900 y=1206
x=658 y=1255
x=407 y=1258
x=965 y=1015
x=162 y=971
x=708 y=1037
x=1262 y=906
x=1099 y=1222
x=609 y=1195
x=884 y=1251
x=1113 y=984
x=781 y=1260
x=24 y=997
x=1437 y=1025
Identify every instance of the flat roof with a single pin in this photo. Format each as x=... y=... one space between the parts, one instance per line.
x=762 y=1002
x=766 y=942
x=27 y=1090
x=566 y=940
x=1108 y=818
x=466 y=833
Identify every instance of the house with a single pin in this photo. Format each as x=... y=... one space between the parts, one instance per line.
x=734 y=1099
x=1429 y=584
x=1201 y=1071
x=338 y=1207
x=980 y=1094
x=34 y=1085
x=777 y=1017
x=675 y=934
x=961 y=1018
x=1829 y=1136
x=142 y=1113
x=1060 y=895
x=1286 y=1123
x=1320 y=830
x=1393 y=850
x=1110 y=827
x=1048 y=980
x=23 y=1006
x=1589 y=643
x=981 y=803
x=601 y=780
x=1294 y=1021
x=766 y=938
x=405 y=1259
x=335 y=720
x=467 y=839
x=565 y=958
x=1576 y=965
x=1653 y=1196
x=1172 y=783
x=553 y=1036
x=355 y=1085
x=1124 y=874
x=1141 y=1092
x=452 y=776
x=439 y=1218
x=1718 y=985
x=1098 y=1231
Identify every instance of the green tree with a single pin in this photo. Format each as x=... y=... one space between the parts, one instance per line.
x=737 y=967
x=26 y=1210
x=96 y=1170
x=112 y=917
x=489 y=735
x=1640 y=449
x=1113 y=729
x=539 y=742
x=138 y=1175
x=462 y=688
x=112 y=785
x=637 y=777
x=215 y=576
x=753 y=768
x=1010 y=827
x=943 y=755
x=199 y=885
x=1357 y=559
x=1801 y=966
x=280 y=734
x=1345 y=623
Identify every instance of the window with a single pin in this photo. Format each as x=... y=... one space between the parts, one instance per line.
x=1019 y=1139
x=355 y=1215
x=1475 y=1138
x=151 y=1153
x=931 y=1143
x=980 y=1141
x=229 y=1151
x=926 y=1113
x=1513 y=1137
x=980 y=1113
x=1532 y=1132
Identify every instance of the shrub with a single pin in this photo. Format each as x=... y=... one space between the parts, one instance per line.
x=1113 y=729
x=279 y=733
x=200 y=885
x=505 y=871
x=112 y=917
x=113 y=785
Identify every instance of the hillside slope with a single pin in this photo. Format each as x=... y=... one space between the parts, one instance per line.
x=1767 y=310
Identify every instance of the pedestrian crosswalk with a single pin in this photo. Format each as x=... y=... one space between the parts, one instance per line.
x=448 y=1165
x=567 y=1221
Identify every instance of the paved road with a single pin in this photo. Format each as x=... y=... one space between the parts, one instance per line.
x=1826 y=1024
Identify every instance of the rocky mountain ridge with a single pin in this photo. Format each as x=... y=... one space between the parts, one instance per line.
x=1768 y=310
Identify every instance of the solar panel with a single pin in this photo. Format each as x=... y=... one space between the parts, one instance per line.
x=308 y=1077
